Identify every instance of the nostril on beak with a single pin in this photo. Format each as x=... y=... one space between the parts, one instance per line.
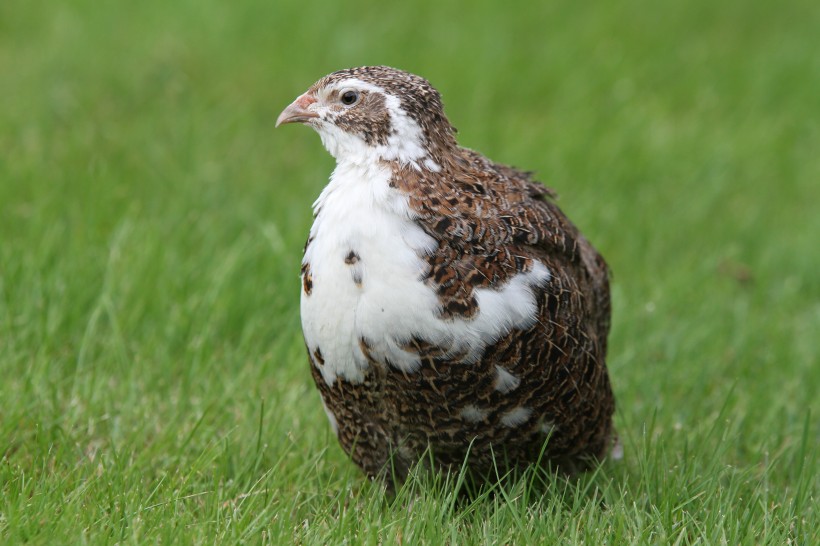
x=297 y=111
x=305 y=100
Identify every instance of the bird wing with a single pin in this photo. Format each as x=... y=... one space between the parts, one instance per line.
x=494 y=222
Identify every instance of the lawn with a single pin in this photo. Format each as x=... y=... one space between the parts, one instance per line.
x=154 y=383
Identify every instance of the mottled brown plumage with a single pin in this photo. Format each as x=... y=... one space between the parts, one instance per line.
x=542 y=380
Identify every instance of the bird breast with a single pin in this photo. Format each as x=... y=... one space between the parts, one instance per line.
x=364 y=284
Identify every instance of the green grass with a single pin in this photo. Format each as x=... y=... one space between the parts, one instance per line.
x=154 y=384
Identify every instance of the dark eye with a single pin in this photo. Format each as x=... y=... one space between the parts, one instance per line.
x=349 y=98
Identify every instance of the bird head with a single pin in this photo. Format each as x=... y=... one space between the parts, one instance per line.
x=375 y=113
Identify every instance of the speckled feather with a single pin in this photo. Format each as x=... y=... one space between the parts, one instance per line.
x=544 y=382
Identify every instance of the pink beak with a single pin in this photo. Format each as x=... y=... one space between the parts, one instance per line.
x=297 y=111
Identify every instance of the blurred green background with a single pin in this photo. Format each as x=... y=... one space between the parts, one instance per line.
x=154 y=386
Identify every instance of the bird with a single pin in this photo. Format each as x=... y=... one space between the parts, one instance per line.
x=452 y=314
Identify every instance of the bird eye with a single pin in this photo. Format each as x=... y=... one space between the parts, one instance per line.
x=350 y=97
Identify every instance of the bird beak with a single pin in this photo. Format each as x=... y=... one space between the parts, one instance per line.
x=297 y=111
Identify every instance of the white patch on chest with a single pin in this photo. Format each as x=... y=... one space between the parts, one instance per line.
x=505 y=381
x=358 y=211
x=516 y=417
x=473 y=414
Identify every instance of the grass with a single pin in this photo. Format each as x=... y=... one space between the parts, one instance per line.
x=154 y=383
